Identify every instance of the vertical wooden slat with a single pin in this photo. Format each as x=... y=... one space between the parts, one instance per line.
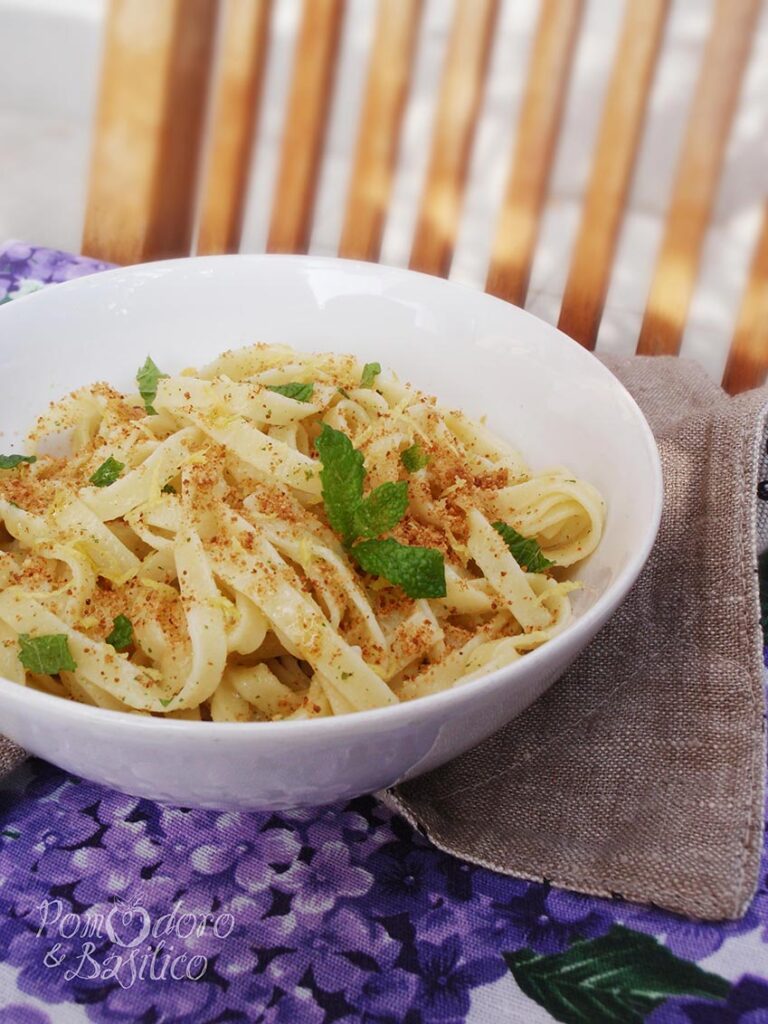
x=615 y=155
x=748 y=358
x=305 y=123
x=148 y=127
x=540 y=117
x=461 y=90
x=697 y=176
x=379 y=133
x=242 y=59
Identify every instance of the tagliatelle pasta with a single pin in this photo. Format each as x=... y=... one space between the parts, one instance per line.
x=277 y=536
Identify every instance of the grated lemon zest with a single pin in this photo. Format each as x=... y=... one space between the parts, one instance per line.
x=306 y=552
x=161 y=588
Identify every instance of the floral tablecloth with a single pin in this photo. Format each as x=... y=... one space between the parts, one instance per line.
x=117 y=909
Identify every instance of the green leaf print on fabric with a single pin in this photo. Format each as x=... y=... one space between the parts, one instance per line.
x=616 y=979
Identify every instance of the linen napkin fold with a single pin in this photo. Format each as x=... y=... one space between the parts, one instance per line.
x=641 y=772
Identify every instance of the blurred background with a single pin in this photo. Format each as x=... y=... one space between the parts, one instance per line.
x=50 y=55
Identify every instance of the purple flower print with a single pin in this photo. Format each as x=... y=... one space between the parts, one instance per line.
x=406 y=879
x=533 y=915
x=18 y=252
x=577 y=910
x=331 y=823
x=46 y=832
x=340 y=948
x=49 y=266
x=19 y=903
x=264 y=927
x=109 y=870
x=37 y=958
x=273 y=862
x=21 y=264
x=231 y=837
x=329 y=875
x=446 y=978
x=247 y=999
x=199 y=925
x=746 y=1003
x=294 y=1009
x=198 y=845
x=381 y=986
x=167 y=1000
x=374 y=923
x=18 y=1014
x=103 y=805
x=386 y=995
x=693 y=940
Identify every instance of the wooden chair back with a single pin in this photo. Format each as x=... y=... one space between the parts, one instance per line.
x=151 y=181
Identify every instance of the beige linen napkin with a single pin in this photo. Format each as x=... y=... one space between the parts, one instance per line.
x=640 y=773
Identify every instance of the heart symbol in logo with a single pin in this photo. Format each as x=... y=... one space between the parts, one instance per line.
x=128 y=924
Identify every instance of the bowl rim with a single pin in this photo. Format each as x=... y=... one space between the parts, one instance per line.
x=408 y=711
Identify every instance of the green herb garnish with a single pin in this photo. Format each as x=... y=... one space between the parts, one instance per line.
x=414 y=458
x=147 y=377
x=342 y=478
x=350 y=514
x=46 y=655
x=12 y=461
x=370 y=372
x=419 y=571
x=168 y=489
x=298 y=392
x=526 y=550
x=165 y=702
x=121 y=636
x=107 y=472
x=382 y=510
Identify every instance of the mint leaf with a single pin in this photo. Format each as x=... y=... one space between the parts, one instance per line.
x=107 y=472
x=616 y=979
x=526 y=550
x=349 y=513
x=419 y=571
x=12 y=461
x=121 y=636
x=298 y=392
x=147 y=377
x=414 y=458
x=45 y=655
x=342 y=478
x=370 y=372
x=382 y=510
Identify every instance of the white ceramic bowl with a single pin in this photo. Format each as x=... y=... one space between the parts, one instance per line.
x=538 y=388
